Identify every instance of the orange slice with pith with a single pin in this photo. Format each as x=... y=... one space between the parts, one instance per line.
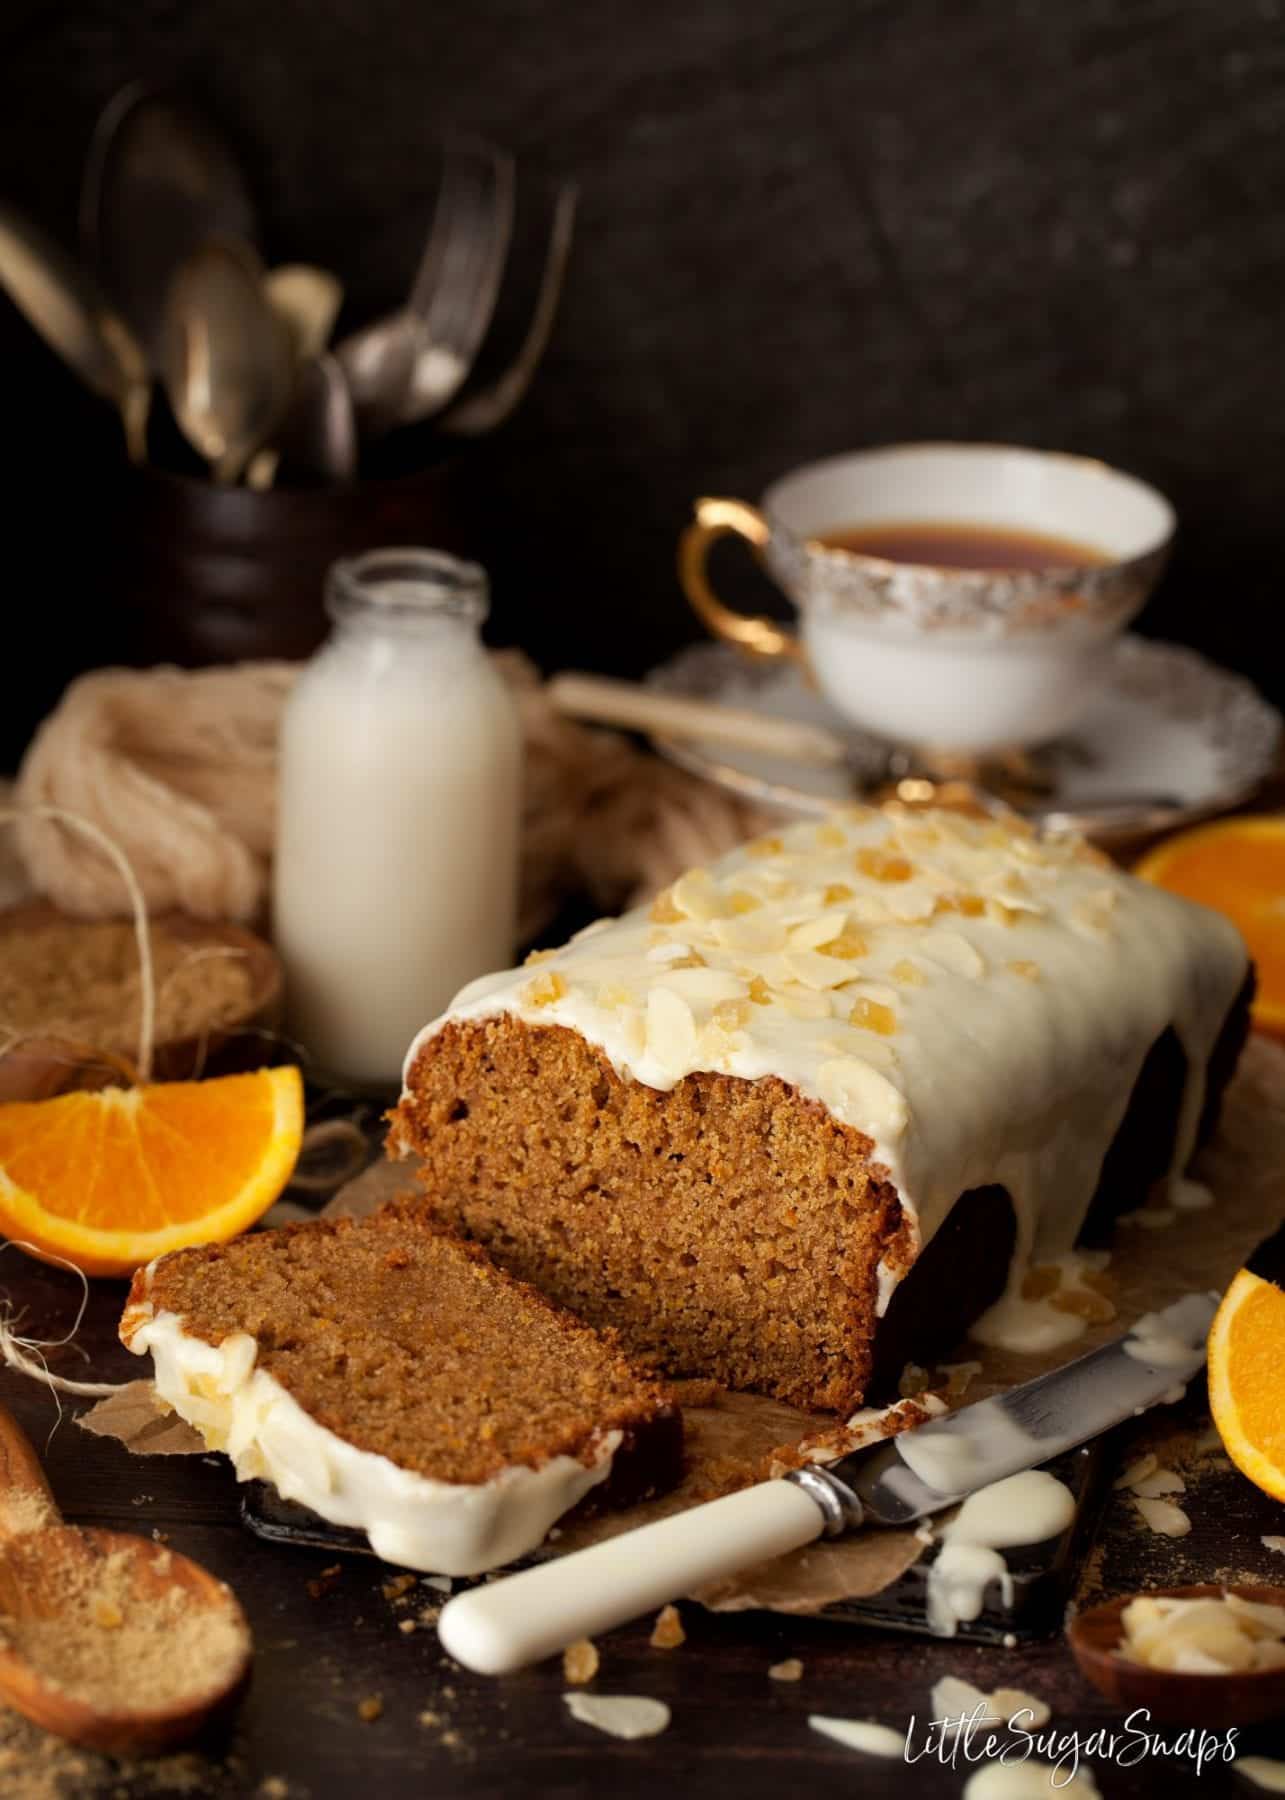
x=1237 y=867
x=108 y=1180
x=1247 y=1368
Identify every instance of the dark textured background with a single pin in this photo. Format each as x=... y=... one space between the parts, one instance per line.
x=806 y=225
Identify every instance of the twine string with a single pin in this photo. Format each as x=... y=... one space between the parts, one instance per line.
x=138 y=907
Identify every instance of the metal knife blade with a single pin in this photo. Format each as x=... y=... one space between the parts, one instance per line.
x=938 y=1464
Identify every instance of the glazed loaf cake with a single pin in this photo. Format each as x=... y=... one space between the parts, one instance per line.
x=814 y=1109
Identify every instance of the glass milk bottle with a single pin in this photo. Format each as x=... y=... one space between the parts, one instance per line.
x=397 y=844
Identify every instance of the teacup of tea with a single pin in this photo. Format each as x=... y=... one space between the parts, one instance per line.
x=956 y=596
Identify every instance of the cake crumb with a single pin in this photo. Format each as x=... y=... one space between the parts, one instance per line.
x=406 y=1626
x=429 y=1717
x=1274 y=1543
x=789 y=1670
x=580 y=1661
x=667 y=1633
x=272 y=1787
x=370 y=1709
x=325 y=1582
x=399 y=1585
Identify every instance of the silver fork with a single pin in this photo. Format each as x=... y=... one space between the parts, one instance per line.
x=412 y=362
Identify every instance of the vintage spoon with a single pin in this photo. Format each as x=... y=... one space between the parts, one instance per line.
x=308 y=299
x=228 y=358
x=412 y=362
x=317 y=441
x=158 y=181
x=66 y=307
x=58 y=1588
x=317 y=438
x=490 y=405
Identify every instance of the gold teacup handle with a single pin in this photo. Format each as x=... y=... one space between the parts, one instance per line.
x=715 y=519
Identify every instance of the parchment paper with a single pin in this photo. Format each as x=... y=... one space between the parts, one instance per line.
x=734 y=1439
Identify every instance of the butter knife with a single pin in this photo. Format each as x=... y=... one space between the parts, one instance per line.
x=515 y=1621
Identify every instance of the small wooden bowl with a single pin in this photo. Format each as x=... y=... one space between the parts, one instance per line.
x=1214 y=1701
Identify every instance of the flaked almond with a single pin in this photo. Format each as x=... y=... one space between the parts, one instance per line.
x=1164 y=1517
x=619 y=1715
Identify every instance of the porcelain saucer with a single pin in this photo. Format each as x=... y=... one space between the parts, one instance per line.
x=1170 y=738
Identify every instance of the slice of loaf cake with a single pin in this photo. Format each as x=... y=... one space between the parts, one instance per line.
x=392 y=1379
x=811 y=1112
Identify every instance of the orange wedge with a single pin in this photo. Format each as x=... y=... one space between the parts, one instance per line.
x=109 y=1180
x=1237 y=867
x=1247 y=1368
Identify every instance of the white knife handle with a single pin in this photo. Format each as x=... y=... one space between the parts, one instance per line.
x=637 y=708
x=510 y=1623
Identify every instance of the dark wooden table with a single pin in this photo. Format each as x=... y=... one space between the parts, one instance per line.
x=325 y=1647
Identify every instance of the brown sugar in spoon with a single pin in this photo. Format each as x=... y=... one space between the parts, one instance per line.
x=108 y=1640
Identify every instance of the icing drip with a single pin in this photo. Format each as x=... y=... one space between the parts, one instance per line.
x=1023 y=1509
x=1033 y=1322
x=409 y=1518
x=975 y=999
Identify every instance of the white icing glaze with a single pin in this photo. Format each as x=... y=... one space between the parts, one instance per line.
x=1024 y=980
x=1175 y=1337
x=957 y=1583
x=1022 y=1509
x=409 y=1518
x=1034 y=1326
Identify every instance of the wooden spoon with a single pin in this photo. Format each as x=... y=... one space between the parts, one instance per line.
x=1240 y=1697
x=59 y=1586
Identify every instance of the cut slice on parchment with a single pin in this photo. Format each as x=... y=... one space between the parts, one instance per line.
x=1247 y=1367
x=109 y=1180
x=1237 y=867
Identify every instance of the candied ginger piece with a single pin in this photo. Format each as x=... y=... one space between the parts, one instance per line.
x=880 y=865
x=545 y=989
x=871 y=1015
